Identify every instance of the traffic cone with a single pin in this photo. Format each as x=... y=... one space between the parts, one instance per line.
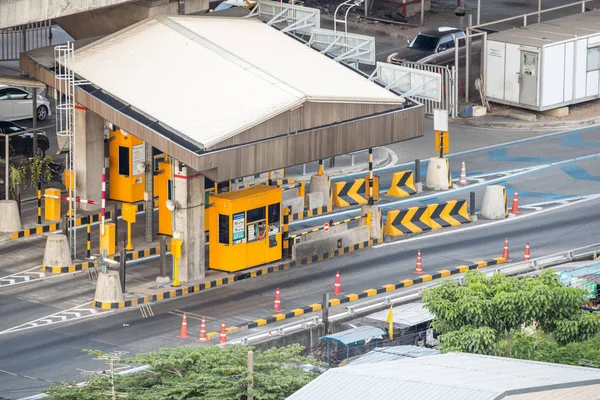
x=419 y=268
x=184 y=332
x=337 y=287
x=223 y=337
x=527 y=256
x=203 y=337
x=463 y=174
x=505 y=253
x=515 y=206
x=277 y=306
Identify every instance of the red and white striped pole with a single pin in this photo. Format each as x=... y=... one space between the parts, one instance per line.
x=67 y=198
x=103 y=199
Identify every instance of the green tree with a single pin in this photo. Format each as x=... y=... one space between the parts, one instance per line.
x=485 y=312
x=208 y=372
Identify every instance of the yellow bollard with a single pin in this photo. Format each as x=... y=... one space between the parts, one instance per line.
x=176 y=253
x=128 y=212
x=107 y=240
x=52 y=206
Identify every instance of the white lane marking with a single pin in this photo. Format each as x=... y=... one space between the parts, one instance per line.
x=487 y=224
x=28 y=276
x=72 y=314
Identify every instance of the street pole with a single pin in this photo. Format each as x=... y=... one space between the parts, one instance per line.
x=122 y=269
x=325 y=314
x=468 y=59
x=441 y=144
x=422 y=12
x=34 y=124
x=6 y=165
x=478 y=12
x=249 y=394
x=540 y=11
x=370 y=176
x=149 y=193
x=163 y=256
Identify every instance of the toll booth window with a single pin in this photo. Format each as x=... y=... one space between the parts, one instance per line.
x=223 y=229
x=256 y=227
x=274 y=216
x=123 y=160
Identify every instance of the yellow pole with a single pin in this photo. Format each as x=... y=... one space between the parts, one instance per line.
x=129 y=245
x=176 y=282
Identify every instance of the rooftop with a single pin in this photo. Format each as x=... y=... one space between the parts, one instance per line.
x=447 y=377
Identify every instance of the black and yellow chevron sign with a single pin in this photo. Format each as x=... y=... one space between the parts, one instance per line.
x=412 y=220
x=346 y=194
x=403 y=184
x=452 y=213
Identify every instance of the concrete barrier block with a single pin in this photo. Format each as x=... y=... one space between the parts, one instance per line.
x=10 y=220
x=57 y=253
x=327 y=244
x=297 y=204
x=495 y=205
x=320 y=183
x=314 y=200
x=289 y=194
x=108 y=288
x=438 y=175
x=318 y=235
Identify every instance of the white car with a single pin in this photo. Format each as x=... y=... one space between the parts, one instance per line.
x=16 y=104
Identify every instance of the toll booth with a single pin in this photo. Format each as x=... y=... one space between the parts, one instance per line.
x=127 y=154
x=245 y=228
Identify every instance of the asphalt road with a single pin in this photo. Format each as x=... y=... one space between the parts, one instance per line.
x=54 y=354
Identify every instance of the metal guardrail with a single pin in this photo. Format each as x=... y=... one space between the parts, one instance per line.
x=577 y=254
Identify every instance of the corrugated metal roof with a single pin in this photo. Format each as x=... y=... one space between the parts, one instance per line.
x=393 y=353
x=355 y=335
x=211 y=78
x=404 y=315
x=445 y=377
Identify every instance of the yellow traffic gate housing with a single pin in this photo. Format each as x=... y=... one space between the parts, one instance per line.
x=126 y=181
x=245 y=228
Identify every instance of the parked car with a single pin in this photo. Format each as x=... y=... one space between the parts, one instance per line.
x=434 y=46
x=16 y=104
x=22 y=145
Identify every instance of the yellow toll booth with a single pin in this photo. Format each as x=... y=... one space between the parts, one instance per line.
x=245 y=228
x=127 y=153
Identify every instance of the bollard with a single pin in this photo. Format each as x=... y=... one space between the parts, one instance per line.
x=18 y=197
x=472 y=204
x=163 y=256
x=122 y=269
x=417 y=170
x=176 y=253
x=325 y=314
x=39 y=202
x=65 y=226
x=89 y=237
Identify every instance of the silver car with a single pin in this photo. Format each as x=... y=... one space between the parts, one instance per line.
x=16 y=104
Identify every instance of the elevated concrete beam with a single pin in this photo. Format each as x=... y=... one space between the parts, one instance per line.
x=20 y=12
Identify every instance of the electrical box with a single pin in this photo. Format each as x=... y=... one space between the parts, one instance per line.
x=127 y=154
x=245 y=228
x=176 y=248
x=128 y=212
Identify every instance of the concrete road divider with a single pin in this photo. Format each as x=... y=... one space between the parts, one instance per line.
x=452 y=213
x=57 y=253
x=403 y=184
x=421 y=219
x=438 y=174
x=412 y=220
x=346 y=194
x=495 y=204
x=11 y=220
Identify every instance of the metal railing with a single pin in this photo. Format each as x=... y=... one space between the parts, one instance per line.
x=448 y=96
x=17 y=39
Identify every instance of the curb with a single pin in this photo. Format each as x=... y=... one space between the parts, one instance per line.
x=526 y=125
x=363 y=294
x=231 y=278
x=132 y=255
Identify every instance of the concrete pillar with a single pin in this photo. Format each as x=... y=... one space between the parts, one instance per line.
x=108 y=288
x=189 y=221
x=494 y=204
x=320 y=183
x=375 y=225
x=57 y=253
x=10 y=221
x=89 y=154
x=437 y=174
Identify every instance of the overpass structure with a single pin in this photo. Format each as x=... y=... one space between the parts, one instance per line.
x=222 y=106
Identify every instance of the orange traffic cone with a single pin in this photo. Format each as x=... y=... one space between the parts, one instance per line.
x=203 y=337
x=527 y=256
x=419 y=268
x=223 y=337
x=505 y=253
x=463 y=174
x=515 y=205
x=184 y=332
x=337 y=287
x=277 y=306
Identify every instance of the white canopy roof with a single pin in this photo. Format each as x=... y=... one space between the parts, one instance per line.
x=212 y=78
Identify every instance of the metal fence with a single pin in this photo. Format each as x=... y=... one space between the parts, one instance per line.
x=448 y=95
x=22 y=38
